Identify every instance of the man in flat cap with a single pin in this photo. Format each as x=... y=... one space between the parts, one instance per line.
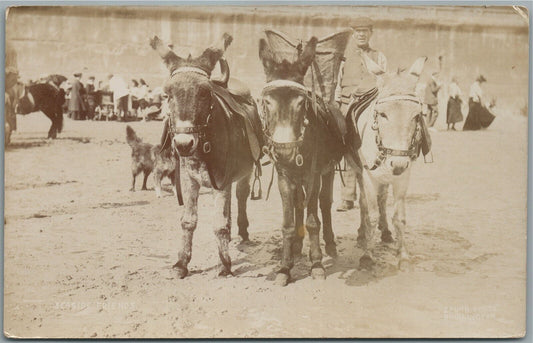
x=357 y=77
x=76 y=104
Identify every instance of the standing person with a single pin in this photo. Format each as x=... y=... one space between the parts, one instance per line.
x=478 y=114
x=76 y=104
x=91 y=97
x=431 y=99
x=120 y=96
x=134 y=95
x=357 y=77
x=453 y=110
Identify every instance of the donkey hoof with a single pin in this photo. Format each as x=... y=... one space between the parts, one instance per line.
x=245 y=237
x=386 y=237
x=282 y=279
x=366 y=262
x=132 y=189
x=331 y=250
x=318 y=273
x=181 y=272
x=225 y=273
x=404 y=264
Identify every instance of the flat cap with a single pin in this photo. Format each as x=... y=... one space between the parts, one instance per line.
x=481 y=78
x=361 y=22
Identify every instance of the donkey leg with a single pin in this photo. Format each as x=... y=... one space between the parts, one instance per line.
x=365 y=232
x=383 y=225
x=189 y=220
x=223 y=228
x=313 y=228
x=243 y=191
x=299 y=207
x=326 y=199
x=287 y=192
x=398 y=219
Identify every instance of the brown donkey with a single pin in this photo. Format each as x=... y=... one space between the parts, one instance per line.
x=209 y=133
x=304 y=148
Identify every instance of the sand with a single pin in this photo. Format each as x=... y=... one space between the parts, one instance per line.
x=84 y=257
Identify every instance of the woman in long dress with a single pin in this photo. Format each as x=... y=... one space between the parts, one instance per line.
x=478 y=115
x=453 y=113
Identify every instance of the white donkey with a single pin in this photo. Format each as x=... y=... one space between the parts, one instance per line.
x=393 y=133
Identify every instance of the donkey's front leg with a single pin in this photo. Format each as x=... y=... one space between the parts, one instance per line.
x=188 y=224
x=299 y=206
x=366 y=230
x=313 y=227
x=223 y=228
x=287 y=192
x=399 y=189
x=326 y=199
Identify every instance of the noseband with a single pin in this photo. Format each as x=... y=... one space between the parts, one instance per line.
x=384 y=152
x=270 y=148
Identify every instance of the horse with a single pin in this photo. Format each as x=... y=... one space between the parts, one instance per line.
x=304 y=147
x=47 y=98
x=393 y=133
x=212 y=142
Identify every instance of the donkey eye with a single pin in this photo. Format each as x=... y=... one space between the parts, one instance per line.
x=383 y=115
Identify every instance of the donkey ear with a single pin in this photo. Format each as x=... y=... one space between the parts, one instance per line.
x=265 y=54
x=308 y=54
x=170 y=59
x=416 y=68
x=212 y=55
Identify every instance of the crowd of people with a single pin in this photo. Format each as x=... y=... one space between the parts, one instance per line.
x=113 y=99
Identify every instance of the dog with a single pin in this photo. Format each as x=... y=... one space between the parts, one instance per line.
x=148 y=158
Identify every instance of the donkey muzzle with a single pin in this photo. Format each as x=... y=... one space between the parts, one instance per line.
x=399 y=165
x=185 y=144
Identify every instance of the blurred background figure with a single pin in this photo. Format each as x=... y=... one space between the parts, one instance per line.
x=76 y=104
x=453 y=110
x=431 y=99
x=479 y=115
x=120 y=96
x=91 y=97
x=134 y=96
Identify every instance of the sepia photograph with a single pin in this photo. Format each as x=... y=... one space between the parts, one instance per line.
x=266 y=171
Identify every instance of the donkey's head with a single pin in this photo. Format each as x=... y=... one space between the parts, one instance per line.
x=285 y=99
x=397 y=116
x=189 y=91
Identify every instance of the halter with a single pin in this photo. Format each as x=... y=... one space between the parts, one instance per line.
x=195 y=129
x=384 y=152
x=272 y=145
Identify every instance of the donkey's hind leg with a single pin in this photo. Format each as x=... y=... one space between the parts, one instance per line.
x=326 y=199
x=189 y=220
x=223 y=228
x=313 y=227
x=243 y=191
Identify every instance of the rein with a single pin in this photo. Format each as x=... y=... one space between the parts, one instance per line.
x=384 y=152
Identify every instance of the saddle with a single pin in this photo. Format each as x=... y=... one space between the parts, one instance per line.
x=238 y=100
x=358 y=105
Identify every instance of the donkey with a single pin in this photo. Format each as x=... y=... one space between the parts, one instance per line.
x=46 y=98
x=393 y=132
x=211 y=142
x=305 y=149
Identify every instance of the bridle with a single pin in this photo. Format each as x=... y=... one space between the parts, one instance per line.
x=199 y=129
x=414 y=146
x=271 y=145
